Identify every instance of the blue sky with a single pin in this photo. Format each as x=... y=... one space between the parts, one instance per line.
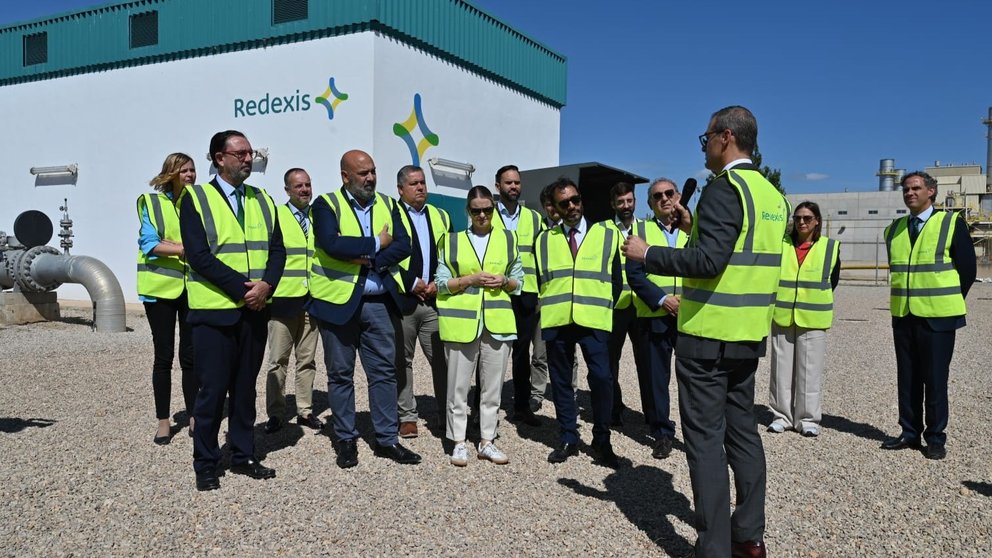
x=835 y=86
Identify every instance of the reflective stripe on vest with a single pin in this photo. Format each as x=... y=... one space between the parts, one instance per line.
x=529 y=224
x=737 y=304
x=245 y=251
x=924 y=282
x=459 y=314
x=626 y=294
x=294 y=275
x=805 y=297
x=333 y=280
x=650 y=232
x=161 y=276
x=439 y=225
x=578 y=291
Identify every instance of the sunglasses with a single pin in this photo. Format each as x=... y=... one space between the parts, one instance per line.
x=658 y=196
x=481 y=210
x=574 y=200
x=803 y=218
x=705 y=137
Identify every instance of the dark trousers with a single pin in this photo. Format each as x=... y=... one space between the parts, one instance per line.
x=162 y=315
x=624 y=325
x=228 y=359
x=653 y=359
x=371 y=333
x=716 y=403
x=923 y=360
x=525 y=312
x=561 y=343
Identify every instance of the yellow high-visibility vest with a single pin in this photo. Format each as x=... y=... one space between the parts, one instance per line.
x=923 y=280
x=805 y=297
x=161 y=276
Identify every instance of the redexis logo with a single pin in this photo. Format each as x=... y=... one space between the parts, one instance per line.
x=766 y=216
x=278 y=103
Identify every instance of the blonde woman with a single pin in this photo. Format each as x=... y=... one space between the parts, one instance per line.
x=477 y=271
x=162 y=287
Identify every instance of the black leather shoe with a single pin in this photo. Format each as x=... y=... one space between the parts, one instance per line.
x=563 y=452
x=274 y=424
x=309 y=421
x=902 y=442
x=253 y=469
x=207 y=481
x=535 y=404
x=602 y=453
x=347 y=454
x=935 y=451
x=397 y=453
x=662 y=448
x=162 y=440
x=527 y=417
x=748 y=549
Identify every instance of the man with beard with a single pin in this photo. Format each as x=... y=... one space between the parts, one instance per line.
x=291 y=327
x=359 y=242
x=527 y=223
x=622 y=201
x=236 y=256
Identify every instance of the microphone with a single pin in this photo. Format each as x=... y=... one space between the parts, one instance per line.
x=688 y=189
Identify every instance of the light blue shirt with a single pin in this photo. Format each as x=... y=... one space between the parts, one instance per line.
x=479 y=243
x=229 y=191
x=301 y=214
x=580 y=231
x=623 y=231
x=509 y=221
x=672 y=237
x=373 y=282
x=419 y=220
x=923 y=216
x=148 y=239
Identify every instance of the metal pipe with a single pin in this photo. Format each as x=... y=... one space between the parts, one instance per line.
x=101 y=284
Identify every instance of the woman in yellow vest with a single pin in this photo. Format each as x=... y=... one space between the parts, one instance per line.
x=162 y=286
x=477 y=271
x=803 y=314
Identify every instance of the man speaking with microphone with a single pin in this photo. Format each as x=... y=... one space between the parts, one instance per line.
x=731 y=269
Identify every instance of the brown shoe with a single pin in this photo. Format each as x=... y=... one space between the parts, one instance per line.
x=748 y=549
x=408 y=429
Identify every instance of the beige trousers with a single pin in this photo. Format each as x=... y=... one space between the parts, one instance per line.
x=795 y=388
x=491 y=356
x=285 y=334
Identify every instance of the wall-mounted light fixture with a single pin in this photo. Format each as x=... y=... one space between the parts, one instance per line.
x=72 y=169
x=448 y=165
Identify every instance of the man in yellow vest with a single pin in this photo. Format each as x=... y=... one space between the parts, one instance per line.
x=527 y=223
x=579 y=273
x=730 y=270
x=359 y=241
x=425 y=224
x=291 y=327
x=235 y=252
x=622 y=201
x=656 y=303
x=932 y=262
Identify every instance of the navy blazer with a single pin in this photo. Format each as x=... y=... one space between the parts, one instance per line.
x=648 y=292
x=201 y=260
x=408 y=301
x=327 y=237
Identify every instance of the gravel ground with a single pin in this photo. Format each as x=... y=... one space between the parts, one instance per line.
x=81 y=476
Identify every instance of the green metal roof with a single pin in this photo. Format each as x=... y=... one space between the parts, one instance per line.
x=97 y=39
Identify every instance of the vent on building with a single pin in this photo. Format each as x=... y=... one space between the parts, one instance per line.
x=144 y=29
x=900 y=211
x=284 y=11
x=872 y=212
x=842 y=212
x=35 y=49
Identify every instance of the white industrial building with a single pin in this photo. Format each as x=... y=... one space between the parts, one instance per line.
x=101 y=96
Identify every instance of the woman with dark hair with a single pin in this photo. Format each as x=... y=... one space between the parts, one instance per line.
x=477 y=272
x=162 y=286
x=803 y=314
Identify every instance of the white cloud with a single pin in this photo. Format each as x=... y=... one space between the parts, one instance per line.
x=814 y=176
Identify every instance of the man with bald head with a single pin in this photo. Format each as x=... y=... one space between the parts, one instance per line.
x=359 y=242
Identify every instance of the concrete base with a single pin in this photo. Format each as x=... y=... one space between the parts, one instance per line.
x=25 y=308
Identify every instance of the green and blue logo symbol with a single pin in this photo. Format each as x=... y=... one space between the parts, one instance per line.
x=404 y=130
x=331 y=98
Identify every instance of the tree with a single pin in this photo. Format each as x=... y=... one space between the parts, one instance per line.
x=772 y=175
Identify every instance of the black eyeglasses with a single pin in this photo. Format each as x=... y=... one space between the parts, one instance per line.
x=704 y=138
x=574 y=200
x=658 y=196
x=480 y=210
x=803 y=218
x=240 y=154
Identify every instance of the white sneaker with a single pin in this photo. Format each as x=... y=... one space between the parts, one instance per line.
x=776 y=427
x=810 y=431
x=492 y=453
x=459 y=455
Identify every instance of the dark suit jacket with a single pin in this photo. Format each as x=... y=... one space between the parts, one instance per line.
x=963 y=255
x=409 y=301
x=200 y=259
x=648 y=291
x=327 y=236
x=720 y=220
